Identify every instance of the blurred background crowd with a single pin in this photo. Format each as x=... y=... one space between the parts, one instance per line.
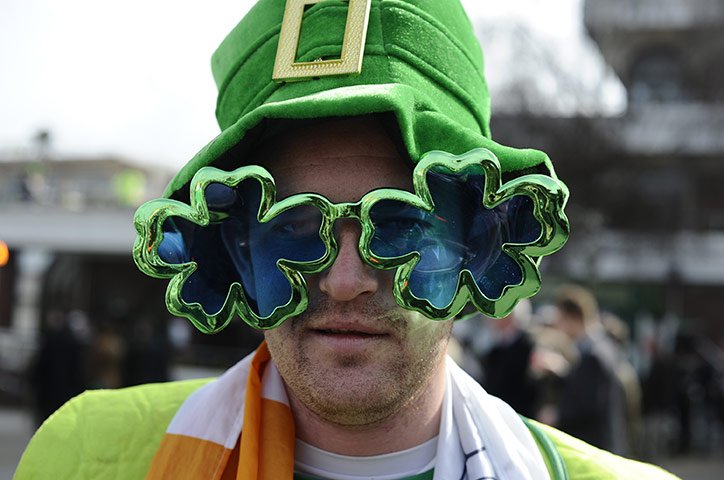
x=649 y=394
x=624 y=344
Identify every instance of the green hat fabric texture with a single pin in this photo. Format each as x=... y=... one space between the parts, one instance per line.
x=422 y=63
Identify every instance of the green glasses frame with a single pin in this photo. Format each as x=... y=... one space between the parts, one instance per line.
x=548 y=195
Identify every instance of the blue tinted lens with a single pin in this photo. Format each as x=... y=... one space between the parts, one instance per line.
x=183 y=242
x=292 y=235
x=172 y=248
x=401 y=229
x=235 y=247
x=458 y=234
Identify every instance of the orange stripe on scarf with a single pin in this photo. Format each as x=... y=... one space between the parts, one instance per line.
x=264 y=451
x=267 y=439
x=180 y=456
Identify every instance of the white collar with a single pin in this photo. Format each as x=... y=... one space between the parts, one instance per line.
x=320 y=463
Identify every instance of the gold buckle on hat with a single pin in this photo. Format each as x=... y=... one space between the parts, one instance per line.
x=355 y=32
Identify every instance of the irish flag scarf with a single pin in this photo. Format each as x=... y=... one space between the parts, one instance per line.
x=205 y=440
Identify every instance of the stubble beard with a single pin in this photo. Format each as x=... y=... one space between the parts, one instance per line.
x=359 y=392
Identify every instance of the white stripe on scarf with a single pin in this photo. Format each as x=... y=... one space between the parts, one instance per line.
x=494 y=440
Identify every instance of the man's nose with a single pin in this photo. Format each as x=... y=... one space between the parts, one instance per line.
x=349 y=276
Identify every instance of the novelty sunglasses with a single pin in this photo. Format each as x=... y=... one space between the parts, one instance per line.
x=460 y=236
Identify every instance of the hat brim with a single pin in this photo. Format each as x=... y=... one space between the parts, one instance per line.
x=422 y=129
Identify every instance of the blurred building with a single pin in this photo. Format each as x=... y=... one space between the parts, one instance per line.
x=68 y=227
x=66 y=224
x=647 y=196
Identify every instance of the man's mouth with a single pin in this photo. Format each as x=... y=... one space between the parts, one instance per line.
x=337 y=331
x=348 y=334
x=346 y=340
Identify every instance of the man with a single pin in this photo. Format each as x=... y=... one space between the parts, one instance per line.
x=593 y=402
x=318 y=230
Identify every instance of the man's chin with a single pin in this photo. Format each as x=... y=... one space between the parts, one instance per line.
x=349 y=389
x=355 y=406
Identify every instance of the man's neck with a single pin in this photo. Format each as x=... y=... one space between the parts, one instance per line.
x=415 y=423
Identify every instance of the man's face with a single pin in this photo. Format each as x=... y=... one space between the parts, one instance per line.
x=354 y=357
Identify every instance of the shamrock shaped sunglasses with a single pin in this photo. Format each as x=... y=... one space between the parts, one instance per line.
x=460 y=236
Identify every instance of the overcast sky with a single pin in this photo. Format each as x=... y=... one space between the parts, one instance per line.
x=133 y=78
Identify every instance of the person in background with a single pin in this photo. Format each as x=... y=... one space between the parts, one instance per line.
x=619 y=332
x=57 y=372
x=507 y=364
x=592 y=404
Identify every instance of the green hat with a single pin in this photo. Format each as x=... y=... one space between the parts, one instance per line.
x=421 y=62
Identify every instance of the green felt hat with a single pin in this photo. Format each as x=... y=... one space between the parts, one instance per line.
x=421 y=62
